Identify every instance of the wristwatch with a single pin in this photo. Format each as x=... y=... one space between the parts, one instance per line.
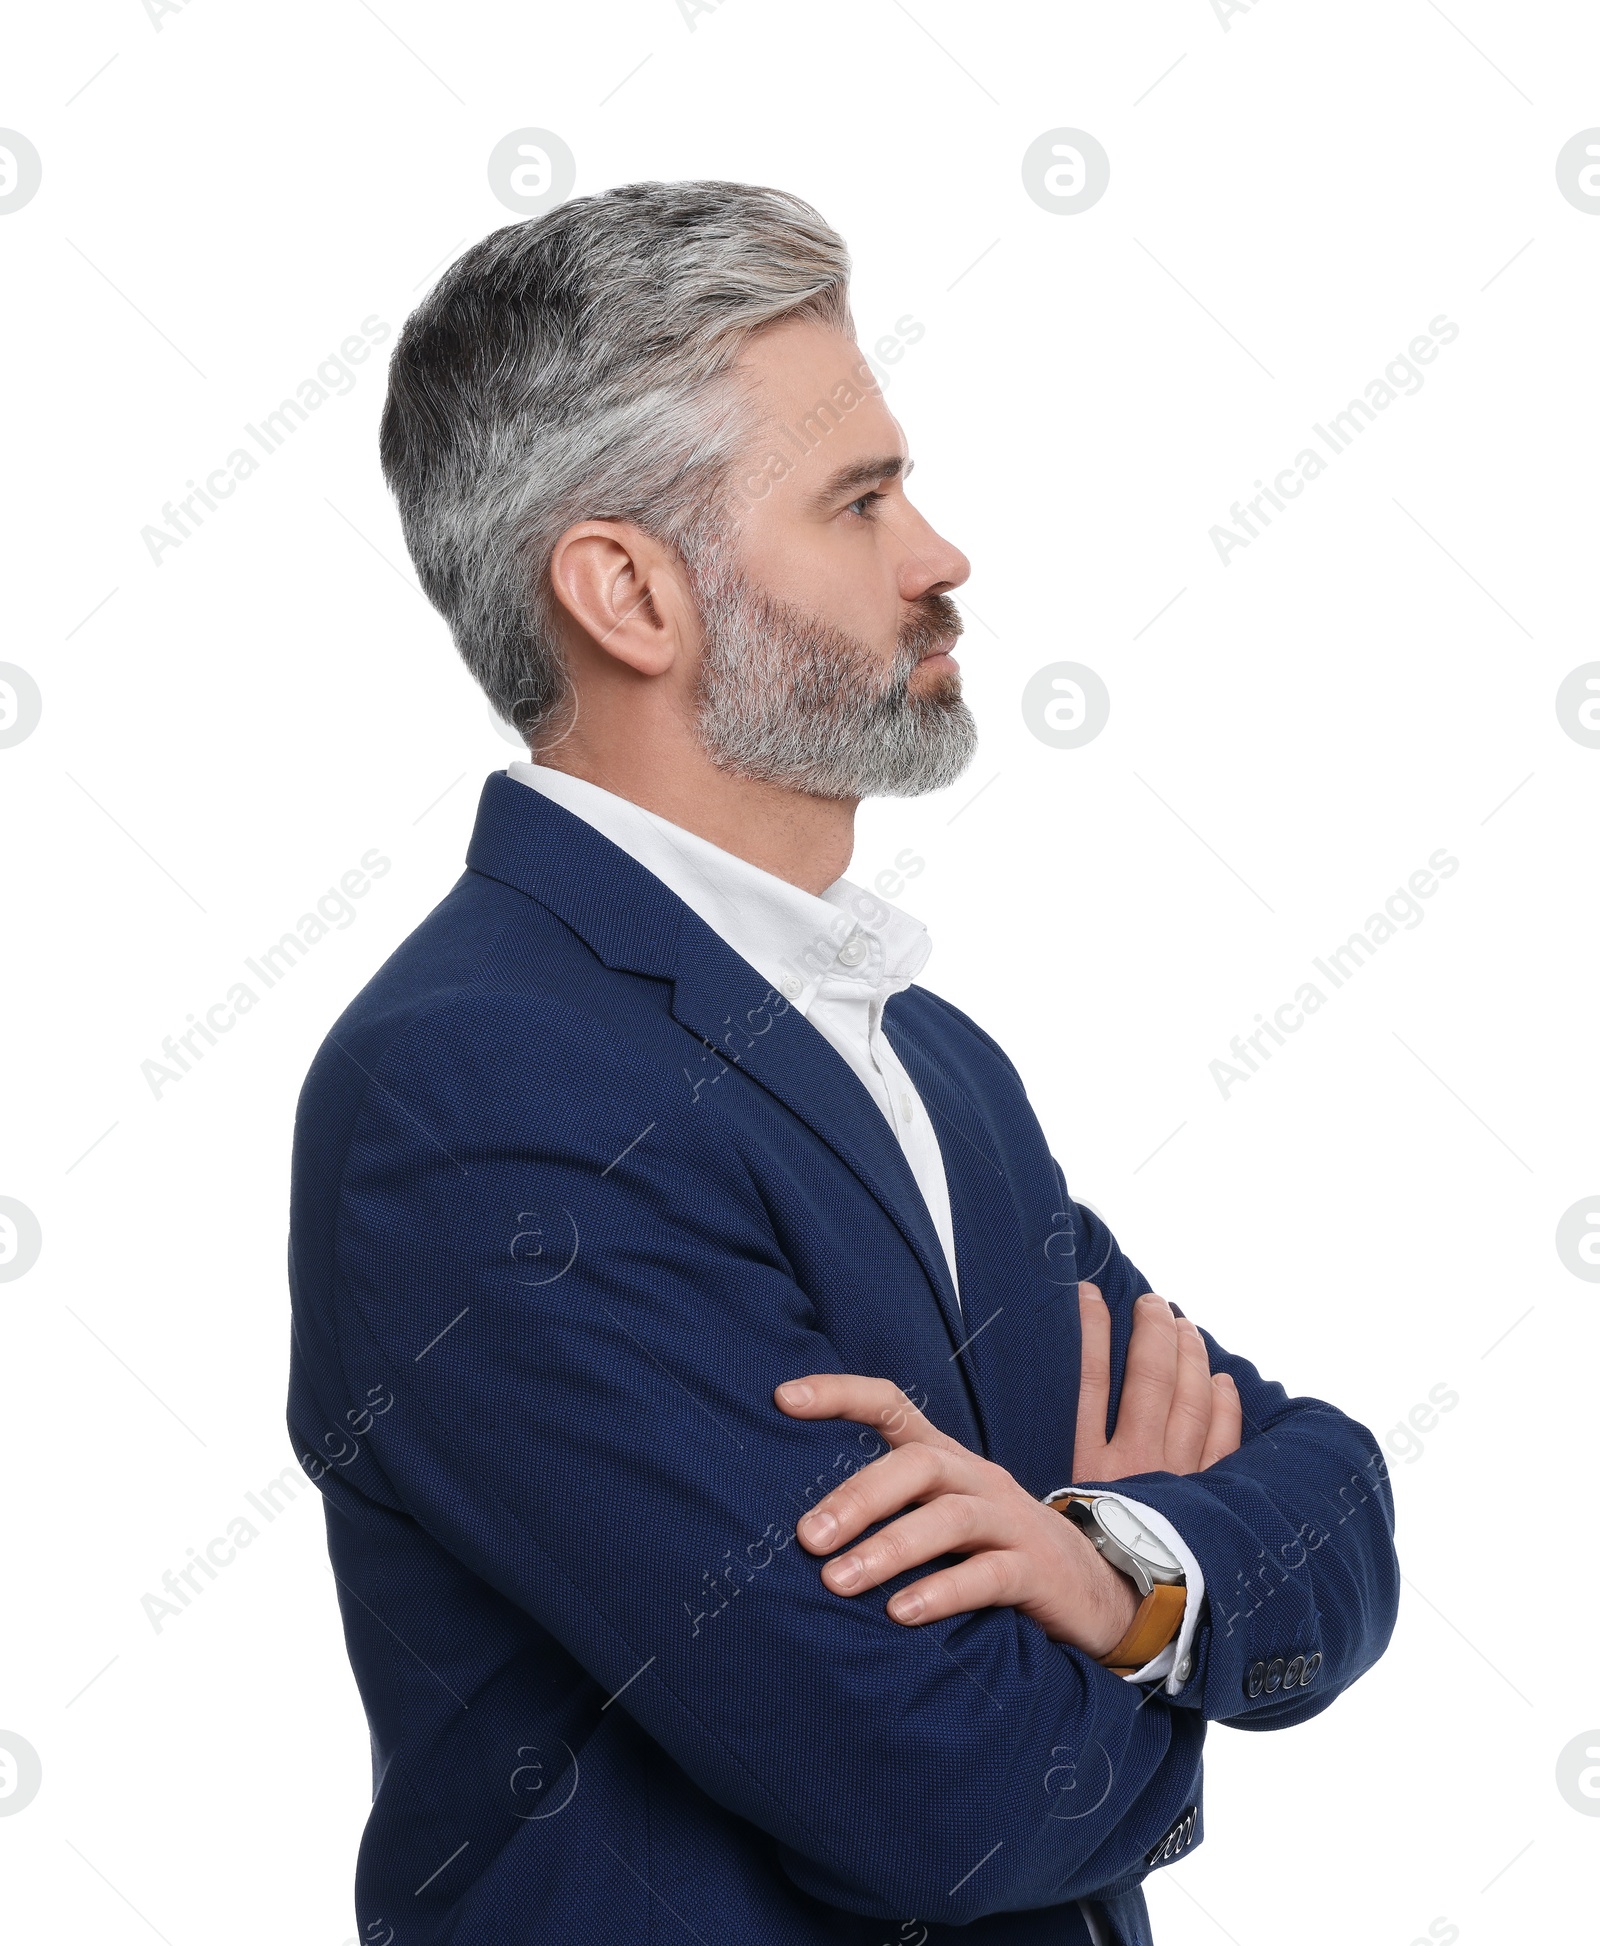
x=1110 y=1526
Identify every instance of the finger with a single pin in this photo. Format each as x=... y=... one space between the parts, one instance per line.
x=1148 y=1385
x=991 y=1580
x=874 y=1402
x=1094 y=1381
x=1227 y=1421
x=900 y=1479
x=1189 y=1416
x=954 y=1523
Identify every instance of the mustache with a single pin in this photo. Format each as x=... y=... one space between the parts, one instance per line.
x=935 y=620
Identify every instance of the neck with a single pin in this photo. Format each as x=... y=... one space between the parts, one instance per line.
x=803 y=839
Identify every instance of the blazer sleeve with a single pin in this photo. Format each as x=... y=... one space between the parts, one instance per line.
x=557 y=1263
x=1294 y=1532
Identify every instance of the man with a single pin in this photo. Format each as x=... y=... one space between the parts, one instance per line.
x=692 y=1326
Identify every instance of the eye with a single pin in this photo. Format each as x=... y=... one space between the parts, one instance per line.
x=864 y=504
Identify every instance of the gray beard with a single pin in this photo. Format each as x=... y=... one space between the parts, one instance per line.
x=787 y=698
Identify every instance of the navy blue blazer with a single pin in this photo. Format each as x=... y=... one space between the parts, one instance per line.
x=573 y=1190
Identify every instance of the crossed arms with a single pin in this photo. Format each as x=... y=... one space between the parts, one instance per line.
x=1174 y=1416
x=600 y=1445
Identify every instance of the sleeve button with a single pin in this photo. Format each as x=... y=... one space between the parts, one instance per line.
x=1293 y=1675
x=1274 y=1674
x=1255 y=1677
x=1313 y=1664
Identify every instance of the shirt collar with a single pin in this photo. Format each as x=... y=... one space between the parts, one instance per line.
x=847 y=943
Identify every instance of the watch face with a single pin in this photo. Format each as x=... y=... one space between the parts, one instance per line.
x=1128 y=1531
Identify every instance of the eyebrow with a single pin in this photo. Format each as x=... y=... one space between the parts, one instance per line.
x=864 y=473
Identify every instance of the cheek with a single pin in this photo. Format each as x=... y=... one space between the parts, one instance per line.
x=836 y=573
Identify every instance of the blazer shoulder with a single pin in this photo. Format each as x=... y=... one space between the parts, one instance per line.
x=488 y=979
x=947 y=1019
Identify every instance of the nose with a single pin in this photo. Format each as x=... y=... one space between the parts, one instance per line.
x=933 y=565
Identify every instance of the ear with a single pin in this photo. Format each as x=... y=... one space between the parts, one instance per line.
x=625 y=592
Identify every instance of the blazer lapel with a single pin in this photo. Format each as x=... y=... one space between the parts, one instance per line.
x=1019 y=1340
x=635 y=923
x=725 y=1001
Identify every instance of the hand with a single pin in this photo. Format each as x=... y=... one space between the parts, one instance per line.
x=1173 y=1416
x=1020 y=1553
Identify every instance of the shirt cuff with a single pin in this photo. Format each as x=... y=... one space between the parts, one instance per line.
x=1176 y=1661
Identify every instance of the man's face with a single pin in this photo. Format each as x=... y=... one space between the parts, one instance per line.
x=822 y=592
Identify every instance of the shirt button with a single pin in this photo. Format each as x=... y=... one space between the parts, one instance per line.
x=906 y=1108
x=791 y=986
x=853 y=951
x=1182 y=1668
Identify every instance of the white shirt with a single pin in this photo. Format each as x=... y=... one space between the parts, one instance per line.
x=837 y=958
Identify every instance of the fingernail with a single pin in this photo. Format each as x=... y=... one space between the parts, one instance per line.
x=820 y=1528
x=795 y=1394
x=1091 y=1291
x=906 y=1608
x=845 y=1574
x=1150 y=1298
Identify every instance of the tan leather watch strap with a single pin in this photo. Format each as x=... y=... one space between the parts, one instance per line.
x=1157 y=1620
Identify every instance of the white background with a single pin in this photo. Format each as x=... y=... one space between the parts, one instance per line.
x=1369 y=1217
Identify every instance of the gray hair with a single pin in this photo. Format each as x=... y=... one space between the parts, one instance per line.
x=578 y=367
